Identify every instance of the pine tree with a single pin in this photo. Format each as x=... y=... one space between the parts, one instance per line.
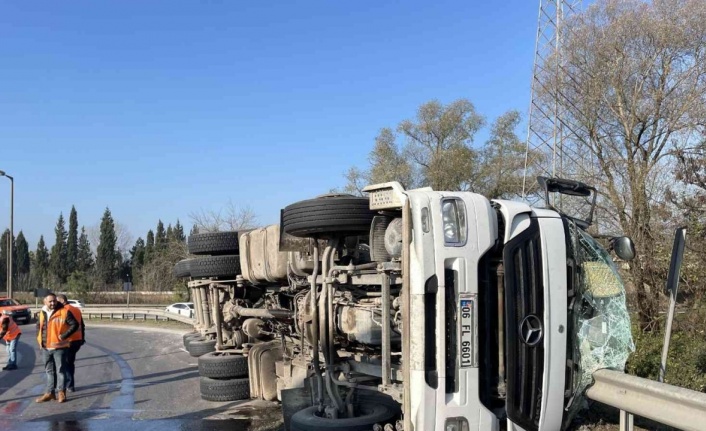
x=72 y=242
x=137 y=254
x=42 y=259
x=160 y=239
x=21 y=265
x=58 y=258
x=194 y=230
x=149 y=246
x=170 y=233
x=179 y=232
x=3 y=257
x=85 y=256
x=107 y=257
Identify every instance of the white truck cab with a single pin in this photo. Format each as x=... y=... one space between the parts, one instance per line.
x=489 y=315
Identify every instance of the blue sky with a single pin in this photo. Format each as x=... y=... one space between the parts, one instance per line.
x=156 y=108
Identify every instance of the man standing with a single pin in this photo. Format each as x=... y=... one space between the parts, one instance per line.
x=10 y=332
x=56 y=325
x=76 y=340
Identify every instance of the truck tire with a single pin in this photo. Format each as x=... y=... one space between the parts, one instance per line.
x=191 y=334
x=182 y=268
x=215 y=266
x=214 y=243
x=307 y=420
x=191 y=337
x=224 y=389
x=201 y=347
x=328 y=216
x=223 y=365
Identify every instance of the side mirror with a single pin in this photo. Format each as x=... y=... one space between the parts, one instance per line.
x=623 y=247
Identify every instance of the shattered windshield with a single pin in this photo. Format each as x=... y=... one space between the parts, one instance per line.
x=600 y=315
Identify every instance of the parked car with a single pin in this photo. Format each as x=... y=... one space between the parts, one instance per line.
x=20 y=313
x=182 y=308
x=75 y=303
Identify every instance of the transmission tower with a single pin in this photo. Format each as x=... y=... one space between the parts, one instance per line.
x=548 y=150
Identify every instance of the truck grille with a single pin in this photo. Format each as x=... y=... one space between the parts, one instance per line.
x=524 y=302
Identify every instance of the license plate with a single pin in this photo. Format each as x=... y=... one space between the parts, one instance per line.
x=468 y=339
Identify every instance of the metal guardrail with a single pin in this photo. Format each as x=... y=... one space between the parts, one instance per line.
x=133 y=314
x=669 y=405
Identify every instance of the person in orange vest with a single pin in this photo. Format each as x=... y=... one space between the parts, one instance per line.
x=76 y=340
x=55 y=326
x=10 y=332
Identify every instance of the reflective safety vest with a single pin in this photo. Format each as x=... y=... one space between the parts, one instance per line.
x=12 y=329
x=55 y=326
x=78 y=335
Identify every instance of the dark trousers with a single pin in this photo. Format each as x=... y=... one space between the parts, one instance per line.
x=70 y=363
x=55 y=368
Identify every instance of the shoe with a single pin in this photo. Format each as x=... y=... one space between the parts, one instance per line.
x=71 y=389
x=46 y=397
x=61 y=397
x=9 y=367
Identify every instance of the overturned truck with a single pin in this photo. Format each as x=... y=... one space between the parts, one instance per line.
x=409 y=310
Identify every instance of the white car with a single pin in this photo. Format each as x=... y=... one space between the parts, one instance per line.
x=75 y=303
x=182 y=308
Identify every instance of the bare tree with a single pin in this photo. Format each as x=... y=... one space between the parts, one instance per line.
x=229 y=218
x=632 y=87
x=437 y=149
x=157 y=274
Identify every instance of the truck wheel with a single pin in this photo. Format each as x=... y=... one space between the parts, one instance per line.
x=182 y=268
x=214 y=243
x=328 y=216
x=371 y=414
x=201 y=347
x=223 y=365
x=216 y=266
x=224 y=389
x=191 y=336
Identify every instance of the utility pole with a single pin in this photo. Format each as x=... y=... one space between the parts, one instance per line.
x=11 y=239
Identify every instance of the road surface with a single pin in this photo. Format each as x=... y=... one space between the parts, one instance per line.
x=127 y=378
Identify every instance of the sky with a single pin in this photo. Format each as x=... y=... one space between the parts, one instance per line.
x=157 y=109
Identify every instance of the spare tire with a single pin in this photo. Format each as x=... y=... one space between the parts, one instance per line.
x=215 y=266
x=214 y=243
x=328 y=216
x=223 y=365
x=370 y=414
x=182 y=268
x=224 y=390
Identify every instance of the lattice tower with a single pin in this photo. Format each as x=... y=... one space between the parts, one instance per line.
x=550 y=149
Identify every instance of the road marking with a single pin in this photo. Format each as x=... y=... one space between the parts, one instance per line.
x=124 y=403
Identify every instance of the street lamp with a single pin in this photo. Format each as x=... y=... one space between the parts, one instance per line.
x=12 y=237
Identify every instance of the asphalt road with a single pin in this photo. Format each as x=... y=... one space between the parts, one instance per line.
x=127 y=378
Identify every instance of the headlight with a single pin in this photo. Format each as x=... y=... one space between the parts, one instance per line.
x=456 y=424
x=453 y=212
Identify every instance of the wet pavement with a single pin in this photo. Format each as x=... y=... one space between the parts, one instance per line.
x=126 y=379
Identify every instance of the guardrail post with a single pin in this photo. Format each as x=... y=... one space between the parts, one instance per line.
x=626 y=421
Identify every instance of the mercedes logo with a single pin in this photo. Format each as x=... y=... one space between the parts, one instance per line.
x=531 y=330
